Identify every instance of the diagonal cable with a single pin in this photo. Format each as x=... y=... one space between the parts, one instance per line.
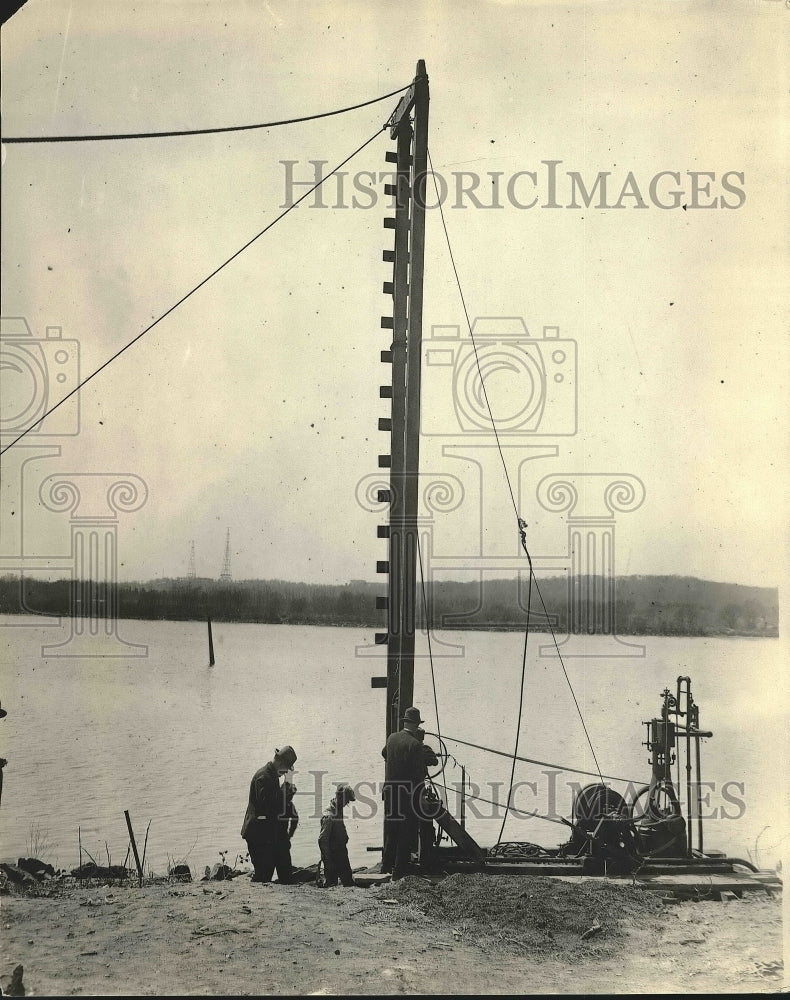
x=521 y=523
x=570 y=686
x=520 y=704
x=540 y=763
x=474 y=345
x=508 y=808
x=430 y=649
x=194 y=289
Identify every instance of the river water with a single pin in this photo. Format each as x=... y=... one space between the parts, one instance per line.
x=175 y=741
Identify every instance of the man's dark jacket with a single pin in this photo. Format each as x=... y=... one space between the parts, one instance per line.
x=405 y=761
x=266 y=797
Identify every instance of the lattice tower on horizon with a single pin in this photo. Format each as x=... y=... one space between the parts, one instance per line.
x=225 y=575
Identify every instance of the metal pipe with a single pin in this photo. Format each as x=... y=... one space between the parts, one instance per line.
x=686 y=682
x=677 y=752
x=463 y=798
x=699 y=803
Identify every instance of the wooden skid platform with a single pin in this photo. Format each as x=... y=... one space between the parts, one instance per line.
x=733 y=882
x=370 y=878
x=688 y=879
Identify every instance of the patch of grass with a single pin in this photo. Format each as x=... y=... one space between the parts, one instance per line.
x=37 y=843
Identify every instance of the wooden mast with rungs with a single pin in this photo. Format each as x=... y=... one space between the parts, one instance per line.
x=605 y=840
x=405 y=356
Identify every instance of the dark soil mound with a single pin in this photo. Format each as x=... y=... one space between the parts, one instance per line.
x=525 y=913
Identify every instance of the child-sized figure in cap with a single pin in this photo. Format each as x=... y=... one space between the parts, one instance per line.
x=333 y=838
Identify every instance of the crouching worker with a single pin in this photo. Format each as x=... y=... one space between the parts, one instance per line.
x=333 y=839
x=269 y=819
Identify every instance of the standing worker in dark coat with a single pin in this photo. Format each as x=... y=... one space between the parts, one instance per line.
x=404 y=778
x=268 y=818
x=333 y=838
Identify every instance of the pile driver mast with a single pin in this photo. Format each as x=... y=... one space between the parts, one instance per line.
x=409 y=128
x=646 y=835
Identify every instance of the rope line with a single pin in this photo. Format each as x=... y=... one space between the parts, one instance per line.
x=499 y=805
x=430 y=650
x=198 y=131
x=193 y=290
x=543 y=763
x=520 y=702
x=474 y=345
x=521 y=523
x=507 y=479
x=567 y=678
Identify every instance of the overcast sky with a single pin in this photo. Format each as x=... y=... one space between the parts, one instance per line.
x=254 y=406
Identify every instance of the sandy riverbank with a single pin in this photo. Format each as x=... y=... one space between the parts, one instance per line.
x=469 y=934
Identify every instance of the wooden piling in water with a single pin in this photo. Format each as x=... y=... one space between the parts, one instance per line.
x=210 y=644
x=134 y=845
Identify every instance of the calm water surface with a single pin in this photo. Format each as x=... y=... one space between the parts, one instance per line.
x=176 y=742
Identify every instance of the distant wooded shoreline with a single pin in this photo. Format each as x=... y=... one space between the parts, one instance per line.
x=642 y=605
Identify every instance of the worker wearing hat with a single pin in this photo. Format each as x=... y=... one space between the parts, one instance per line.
x=266 y=821
x=333 y=838
x=404 y=777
